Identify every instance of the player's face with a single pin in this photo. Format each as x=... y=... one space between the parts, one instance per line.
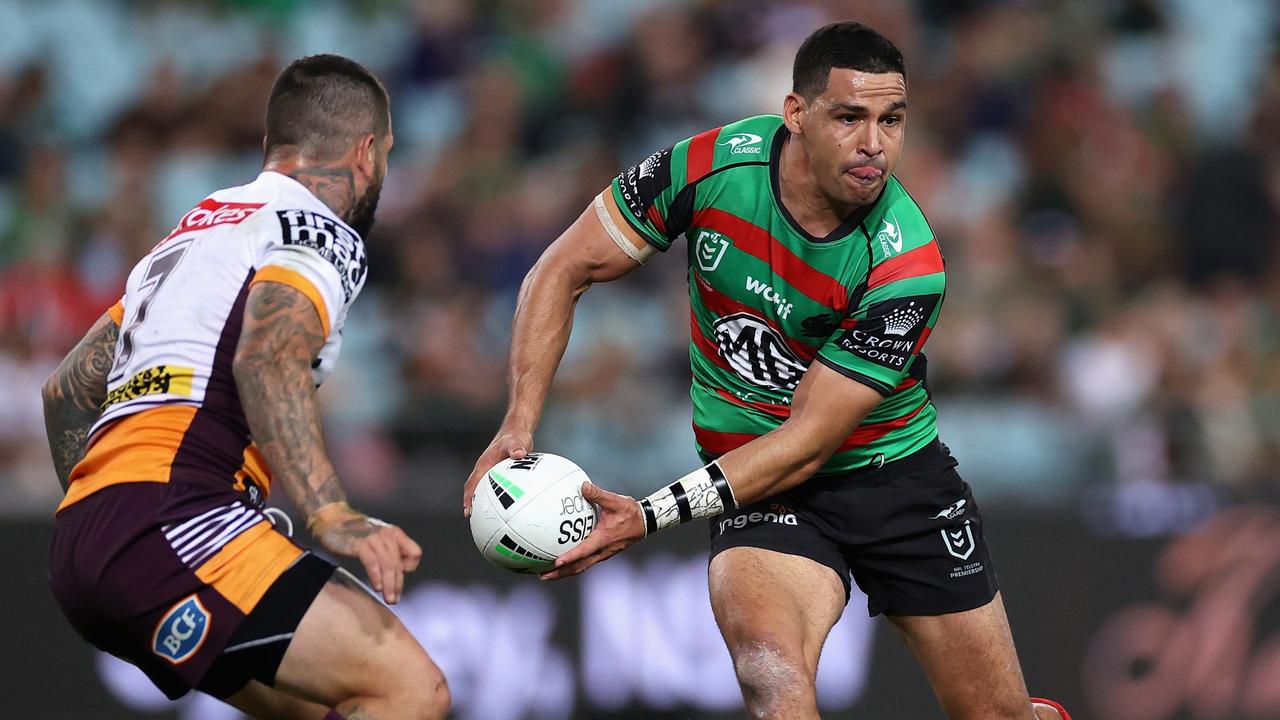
x=853 y=133
x=366 y=206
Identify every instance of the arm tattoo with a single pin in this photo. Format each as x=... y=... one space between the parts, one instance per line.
x=281 y=337
x=335 y=187
x=73 y=397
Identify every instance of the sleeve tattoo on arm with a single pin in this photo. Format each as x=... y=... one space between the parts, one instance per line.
x=282 y=336
x=73 y=397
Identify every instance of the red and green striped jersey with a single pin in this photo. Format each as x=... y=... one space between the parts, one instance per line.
x=767 y=298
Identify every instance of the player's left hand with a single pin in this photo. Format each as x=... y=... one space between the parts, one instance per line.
x=620 y=525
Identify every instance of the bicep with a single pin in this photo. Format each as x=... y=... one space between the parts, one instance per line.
x=592 y=251
x=829 y=406
x=281 y=323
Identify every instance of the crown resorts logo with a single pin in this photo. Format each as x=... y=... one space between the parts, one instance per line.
x=901 y=320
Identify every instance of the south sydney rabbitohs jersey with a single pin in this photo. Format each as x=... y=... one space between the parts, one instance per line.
x=172 y=409
x=768 y=298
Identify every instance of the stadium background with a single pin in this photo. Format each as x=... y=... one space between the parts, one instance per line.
x=1104 y=178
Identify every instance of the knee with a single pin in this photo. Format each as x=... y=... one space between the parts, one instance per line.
x=773 y=678
x=429 y=697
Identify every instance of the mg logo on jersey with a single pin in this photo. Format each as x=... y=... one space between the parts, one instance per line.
x=210 y=213
x=181 y=631
x=710 y=249
x=744 y=143
x=757 y=352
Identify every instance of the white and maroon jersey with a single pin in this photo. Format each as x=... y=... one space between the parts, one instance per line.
x=172 y=407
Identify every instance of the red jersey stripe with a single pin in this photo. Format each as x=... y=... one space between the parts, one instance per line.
x=705 y=346
x=719 y=443
x=702 y=148
x=924 y=260
x=757 y=242
x=723 y=306
x=656 y=218
x=920 y=343
x=782 y=411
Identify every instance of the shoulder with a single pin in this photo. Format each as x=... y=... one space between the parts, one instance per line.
x=899 y=226
x=746 y=142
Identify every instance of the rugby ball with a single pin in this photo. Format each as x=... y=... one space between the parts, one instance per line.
x=527 y=512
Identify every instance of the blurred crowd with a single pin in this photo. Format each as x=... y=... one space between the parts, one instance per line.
x=1104 y=179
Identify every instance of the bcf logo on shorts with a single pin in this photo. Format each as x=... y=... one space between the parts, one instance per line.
x=182 y=631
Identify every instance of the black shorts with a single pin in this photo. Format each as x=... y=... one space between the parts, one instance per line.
x=909 y=532
x=191 y=584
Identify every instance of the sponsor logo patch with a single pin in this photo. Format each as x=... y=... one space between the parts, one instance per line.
x=642 y=184
x=159 y=380
x=757 y=352
x=890 y=236
x=891 y=330
x=335 y=243
x=211 y=213
x=743 y=143
x=952 y=511
x=181 y=631
x=770 y=295
x=738 y=522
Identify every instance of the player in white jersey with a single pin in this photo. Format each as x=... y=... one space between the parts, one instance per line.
x=186 y=400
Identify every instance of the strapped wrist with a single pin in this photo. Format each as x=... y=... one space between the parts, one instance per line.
x=705 y=492
x=338 y=506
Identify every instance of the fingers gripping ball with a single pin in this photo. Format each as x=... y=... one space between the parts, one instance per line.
x=528 y=511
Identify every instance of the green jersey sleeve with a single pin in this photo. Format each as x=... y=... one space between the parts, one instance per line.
x=883 y=335
x=654 y=197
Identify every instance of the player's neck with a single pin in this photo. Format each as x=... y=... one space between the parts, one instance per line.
x=333 y=185
x=804 y=200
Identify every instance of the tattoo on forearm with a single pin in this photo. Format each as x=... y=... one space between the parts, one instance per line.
x=73 y=397
x=336 y=187
x=273 y=375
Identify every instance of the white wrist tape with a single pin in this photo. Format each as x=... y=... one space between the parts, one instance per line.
x=640 y=255
x=702 y=493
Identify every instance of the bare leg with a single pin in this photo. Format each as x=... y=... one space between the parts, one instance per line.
x=775 y=611
x=971 y=663
x=264 y=703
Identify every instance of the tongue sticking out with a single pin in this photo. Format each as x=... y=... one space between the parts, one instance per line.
x=866 y=172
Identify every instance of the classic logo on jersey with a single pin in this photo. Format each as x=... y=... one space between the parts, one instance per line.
x=211 y=213
x=159 y=380
x=709 y=249
x=181 y=631
x=744 y=143
x=757 y=352
x=891 y=330
x=952 y=511
x=890 y=236
x=335 y=243
x=959 y=540
x=642 y=184
x=770 y=295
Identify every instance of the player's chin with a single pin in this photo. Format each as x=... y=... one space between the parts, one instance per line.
x=858 y=191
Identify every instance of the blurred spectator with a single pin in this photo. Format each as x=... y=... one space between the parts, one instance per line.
x=1109 y=219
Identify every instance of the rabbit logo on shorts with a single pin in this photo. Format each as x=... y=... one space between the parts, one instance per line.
x=182 y=631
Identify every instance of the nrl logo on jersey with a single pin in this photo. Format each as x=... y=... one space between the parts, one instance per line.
x=744 y=143
x=757 y=352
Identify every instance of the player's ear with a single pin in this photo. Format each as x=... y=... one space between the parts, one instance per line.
x=367 y=155
x=793 y=107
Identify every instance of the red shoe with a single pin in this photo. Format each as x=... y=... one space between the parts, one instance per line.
x=1061 y=710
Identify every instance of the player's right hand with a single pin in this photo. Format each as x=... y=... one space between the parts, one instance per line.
x=386 y=552
x=506 y=444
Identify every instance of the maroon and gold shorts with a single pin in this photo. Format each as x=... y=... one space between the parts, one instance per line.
x=188 y=581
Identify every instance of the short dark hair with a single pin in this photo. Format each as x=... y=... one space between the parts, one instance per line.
x=322 y=104
x=849 y=45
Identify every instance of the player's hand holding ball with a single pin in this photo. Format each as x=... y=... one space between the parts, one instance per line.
x=620 y=525
x=386 y=552
x=507 y=443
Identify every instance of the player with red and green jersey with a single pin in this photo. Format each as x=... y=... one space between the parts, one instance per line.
x=768 y=298
x=814 y=283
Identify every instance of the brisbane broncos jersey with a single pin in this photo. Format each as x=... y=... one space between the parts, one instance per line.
x=172 y=409
x=768 y=298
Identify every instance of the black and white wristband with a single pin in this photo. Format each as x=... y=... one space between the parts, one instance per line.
x=702 y=493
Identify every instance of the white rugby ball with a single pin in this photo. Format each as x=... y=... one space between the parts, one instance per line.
x=527 y=512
